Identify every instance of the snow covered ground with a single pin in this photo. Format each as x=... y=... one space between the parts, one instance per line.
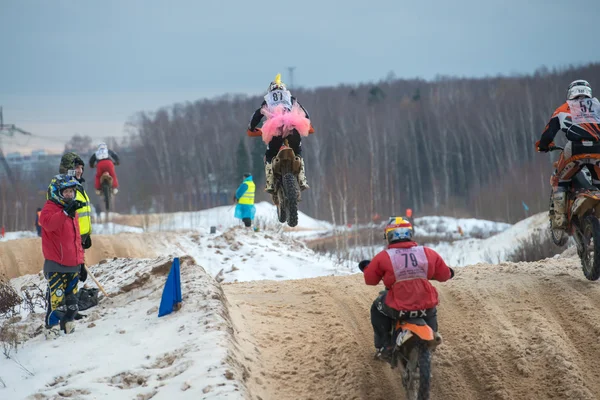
x=448 y=228
x=18 y=235
x=461 y=241
x=111 y=228
x=457 y=246
x=122 y=350
x=494 y=249
x=491 y=242
x=222 y=218
x=244 y=255
x=98 y=229
x=482 y=241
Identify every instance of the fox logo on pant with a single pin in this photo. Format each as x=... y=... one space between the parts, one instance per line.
x=413 y=314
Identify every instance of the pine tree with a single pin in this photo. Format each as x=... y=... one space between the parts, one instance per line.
x=242 y=161
x=258 y=164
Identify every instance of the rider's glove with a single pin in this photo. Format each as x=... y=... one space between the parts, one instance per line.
x=86 y=241
x=363 y=264
x=543 y=149
x=71 y=208
x=83 y=274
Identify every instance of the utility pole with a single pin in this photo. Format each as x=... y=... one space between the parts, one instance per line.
x=8 y=130
x=291 y=72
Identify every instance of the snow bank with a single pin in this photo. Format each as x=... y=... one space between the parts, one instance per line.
x=122 y=350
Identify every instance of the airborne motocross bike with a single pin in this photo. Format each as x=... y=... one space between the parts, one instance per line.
x=286 y=167
x=583 y=210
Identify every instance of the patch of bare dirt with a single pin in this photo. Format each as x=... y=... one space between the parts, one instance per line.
x=511 y=331
x=24 y=256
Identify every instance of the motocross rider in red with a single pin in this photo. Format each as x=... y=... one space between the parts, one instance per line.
x=405 y=268
x=104 y=160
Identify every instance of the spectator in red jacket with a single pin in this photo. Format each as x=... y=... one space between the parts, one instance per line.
x=406 y=269
x=63 y=254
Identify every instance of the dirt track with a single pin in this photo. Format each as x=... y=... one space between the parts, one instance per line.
x=24 y=256
x=514 y=331
x=511 y=331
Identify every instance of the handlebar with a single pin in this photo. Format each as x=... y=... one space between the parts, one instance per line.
x=256 y=132
x=551 y=146
x=363 y=264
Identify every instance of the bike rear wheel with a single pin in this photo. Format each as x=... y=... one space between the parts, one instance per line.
x=290 y=189
x=418 y=371
x=106 y=191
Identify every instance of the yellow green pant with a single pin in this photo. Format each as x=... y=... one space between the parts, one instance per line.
x=61 y=297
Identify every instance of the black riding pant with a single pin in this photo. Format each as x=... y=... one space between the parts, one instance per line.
x=383 y=317
x=294 y=141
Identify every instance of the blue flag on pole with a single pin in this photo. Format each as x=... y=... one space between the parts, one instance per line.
x=171 y=296
x=525 y=206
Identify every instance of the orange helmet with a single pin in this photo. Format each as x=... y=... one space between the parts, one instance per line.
x=398 y=229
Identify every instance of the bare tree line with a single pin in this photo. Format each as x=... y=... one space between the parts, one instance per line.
x=452 y=146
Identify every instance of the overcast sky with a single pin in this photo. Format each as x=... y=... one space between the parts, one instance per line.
x=86 y=66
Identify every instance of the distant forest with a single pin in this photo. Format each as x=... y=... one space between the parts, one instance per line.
x=451 y=146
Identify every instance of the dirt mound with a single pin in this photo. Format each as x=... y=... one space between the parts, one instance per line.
x=24 y=256
x=139 y=220
x=511 y=331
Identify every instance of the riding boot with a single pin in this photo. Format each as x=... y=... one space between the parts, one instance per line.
x=560 y=210
x=269 y=178
x=302 y=176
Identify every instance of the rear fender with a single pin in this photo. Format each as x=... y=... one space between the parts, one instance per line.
x=417 y=327
x=585 y=202
x=106 y=178
x=286 y=161
x=423 y=330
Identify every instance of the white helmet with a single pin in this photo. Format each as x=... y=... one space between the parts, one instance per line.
x=579 y=88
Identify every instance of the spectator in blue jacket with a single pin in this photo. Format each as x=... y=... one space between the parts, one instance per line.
x=244 y=196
